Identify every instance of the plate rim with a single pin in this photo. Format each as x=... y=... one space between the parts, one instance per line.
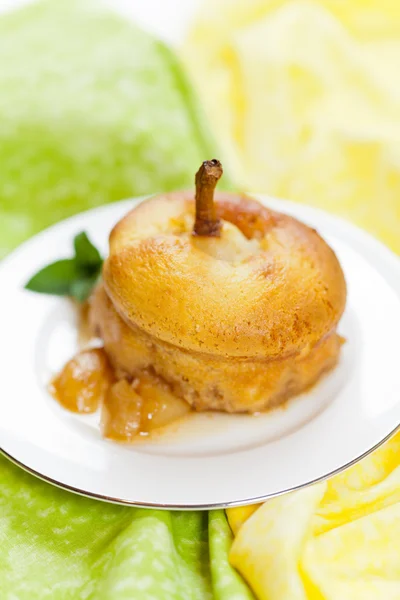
x=360 y=238
x=193 y=507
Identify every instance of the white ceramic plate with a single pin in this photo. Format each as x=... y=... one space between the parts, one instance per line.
x=213 y=460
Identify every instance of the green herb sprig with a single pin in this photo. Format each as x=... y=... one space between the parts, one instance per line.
x=74 y=277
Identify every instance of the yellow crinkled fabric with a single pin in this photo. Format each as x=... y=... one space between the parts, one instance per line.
x=305 y=97
x=338 y=540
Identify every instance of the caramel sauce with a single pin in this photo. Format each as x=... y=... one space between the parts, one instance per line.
x=85 y=332
x=160 y=406
x=129 y=410
x=139 y=408
x=82 y=384
x=121 y=413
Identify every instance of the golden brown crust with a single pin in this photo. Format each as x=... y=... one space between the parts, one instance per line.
x=209 y=382
x=275 y=303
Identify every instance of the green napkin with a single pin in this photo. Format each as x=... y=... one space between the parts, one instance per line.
x=93 y=110
x=57 y=546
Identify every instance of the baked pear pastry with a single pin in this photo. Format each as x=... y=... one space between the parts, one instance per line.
x=233 y=305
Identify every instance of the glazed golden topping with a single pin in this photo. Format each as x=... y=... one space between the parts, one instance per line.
x=129 y=409
x=160 y=406
x=139 y=408
x=121 y=412
x=83 y=382
x=265 y=288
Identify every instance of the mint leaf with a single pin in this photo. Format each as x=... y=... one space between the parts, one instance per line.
x=86 y=254
x=55 y=278
x=81 y=289
x=75 y=277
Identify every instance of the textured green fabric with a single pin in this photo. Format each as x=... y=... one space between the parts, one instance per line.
x=93 y=110
x=57 y=546
x=227 y=583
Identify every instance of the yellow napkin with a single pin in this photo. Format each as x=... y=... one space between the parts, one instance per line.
x=305 y=97
x=338 y=540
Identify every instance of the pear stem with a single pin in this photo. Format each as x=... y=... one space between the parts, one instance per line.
x=207 y=224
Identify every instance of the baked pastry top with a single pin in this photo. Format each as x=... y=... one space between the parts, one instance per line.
x=237 y=312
